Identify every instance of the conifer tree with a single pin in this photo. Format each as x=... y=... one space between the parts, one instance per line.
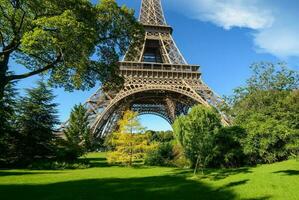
x=78 y=138
x=37 y=117
x=7 y=128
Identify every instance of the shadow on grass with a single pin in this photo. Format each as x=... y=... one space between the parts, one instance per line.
x=216 y=174
x=97 y=162
x=224 y=173
x=260 y=198
x=236 y=183
x=288 y=172
x=12 y=173
x=147 y=188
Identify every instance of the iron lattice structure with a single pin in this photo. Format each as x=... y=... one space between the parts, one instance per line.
x=158 y=79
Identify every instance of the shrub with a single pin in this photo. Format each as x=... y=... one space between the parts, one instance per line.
x=161 y=156
x=58 y=165
x=167 y=154
x=229 y=147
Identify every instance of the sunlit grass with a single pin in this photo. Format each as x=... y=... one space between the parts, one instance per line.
x=101 y=181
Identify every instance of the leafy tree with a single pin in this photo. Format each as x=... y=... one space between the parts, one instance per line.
x=196 y=132
x=60 y=38
x=267 y=77
x=36 y=120
x=130 y=144
x=267 y=108
x=77 y=134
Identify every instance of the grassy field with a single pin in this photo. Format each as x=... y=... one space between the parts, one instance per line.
x=276 y=181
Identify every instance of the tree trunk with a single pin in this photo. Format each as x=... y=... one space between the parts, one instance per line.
x=3 y=70
x=2 y=87
x=196 y=165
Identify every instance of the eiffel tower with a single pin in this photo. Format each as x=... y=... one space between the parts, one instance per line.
x=158 y=80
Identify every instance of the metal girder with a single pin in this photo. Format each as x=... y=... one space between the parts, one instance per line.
x=151 y=13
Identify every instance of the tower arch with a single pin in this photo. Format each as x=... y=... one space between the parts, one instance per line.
x=157 y=79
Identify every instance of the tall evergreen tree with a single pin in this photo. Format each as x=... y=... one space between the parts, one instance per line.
x=7 y=128
x=37 y=117
x=77 y=134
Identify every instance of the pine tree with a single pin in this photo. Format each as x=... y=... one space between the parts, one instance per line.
x=37 y=117
x=7 y=128
x=78 y=137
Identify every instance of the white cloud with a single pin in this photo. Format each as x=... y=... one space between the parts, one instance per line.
x=275 y=22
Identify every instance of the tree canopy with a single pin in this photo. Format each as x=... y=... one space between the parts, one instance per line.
x=73 y=42
x=267 y=108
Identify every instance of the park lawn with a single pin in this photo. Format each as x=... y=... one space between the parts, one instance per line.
x=101 y=181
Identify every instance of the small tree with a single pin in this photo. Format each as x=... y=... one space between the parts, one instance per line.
x=77 y=134
x=196 y=132
x=129 y=143
x=37 y=117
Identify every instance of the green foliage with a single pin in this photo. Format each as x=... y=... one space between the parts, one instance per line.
x=267 y=108
x=129 y=142
x=160 y=156
x=196 y=133
x=36 y=120
x=60 y=38
x=7 y=125
x=160 y=136
x=77 y=135
x=229 y=147
x=169 y=154
x=58 y=165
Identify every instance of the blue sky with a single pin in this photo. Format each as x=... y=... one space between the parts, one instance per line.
x=222 y=36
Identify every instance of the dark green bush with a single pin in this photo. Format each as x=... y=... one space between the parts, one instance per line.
x=229 y=150
x=161 y=156
x=58 y=165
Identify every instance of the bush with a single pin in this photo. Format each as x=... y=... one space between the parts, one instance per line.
x=58 y=165
x=229 y=147
x=180 y=159
x=160 y=156
x=167 y=154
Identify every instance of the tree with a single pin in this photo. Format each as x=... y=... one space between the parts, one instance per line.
x=267 y=108
x=7 y=124
x=62 y=38
x=130 y=144
x=196 y=132
x=36 y=120
x=77 y=134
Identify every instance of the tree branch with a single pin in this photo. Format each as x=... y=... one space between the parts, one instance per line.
x=2 y=40
x=11 y=47
x=38 y=71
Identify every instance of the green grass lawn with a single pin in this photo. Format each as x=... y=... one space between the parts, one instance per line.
x=276 y=181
